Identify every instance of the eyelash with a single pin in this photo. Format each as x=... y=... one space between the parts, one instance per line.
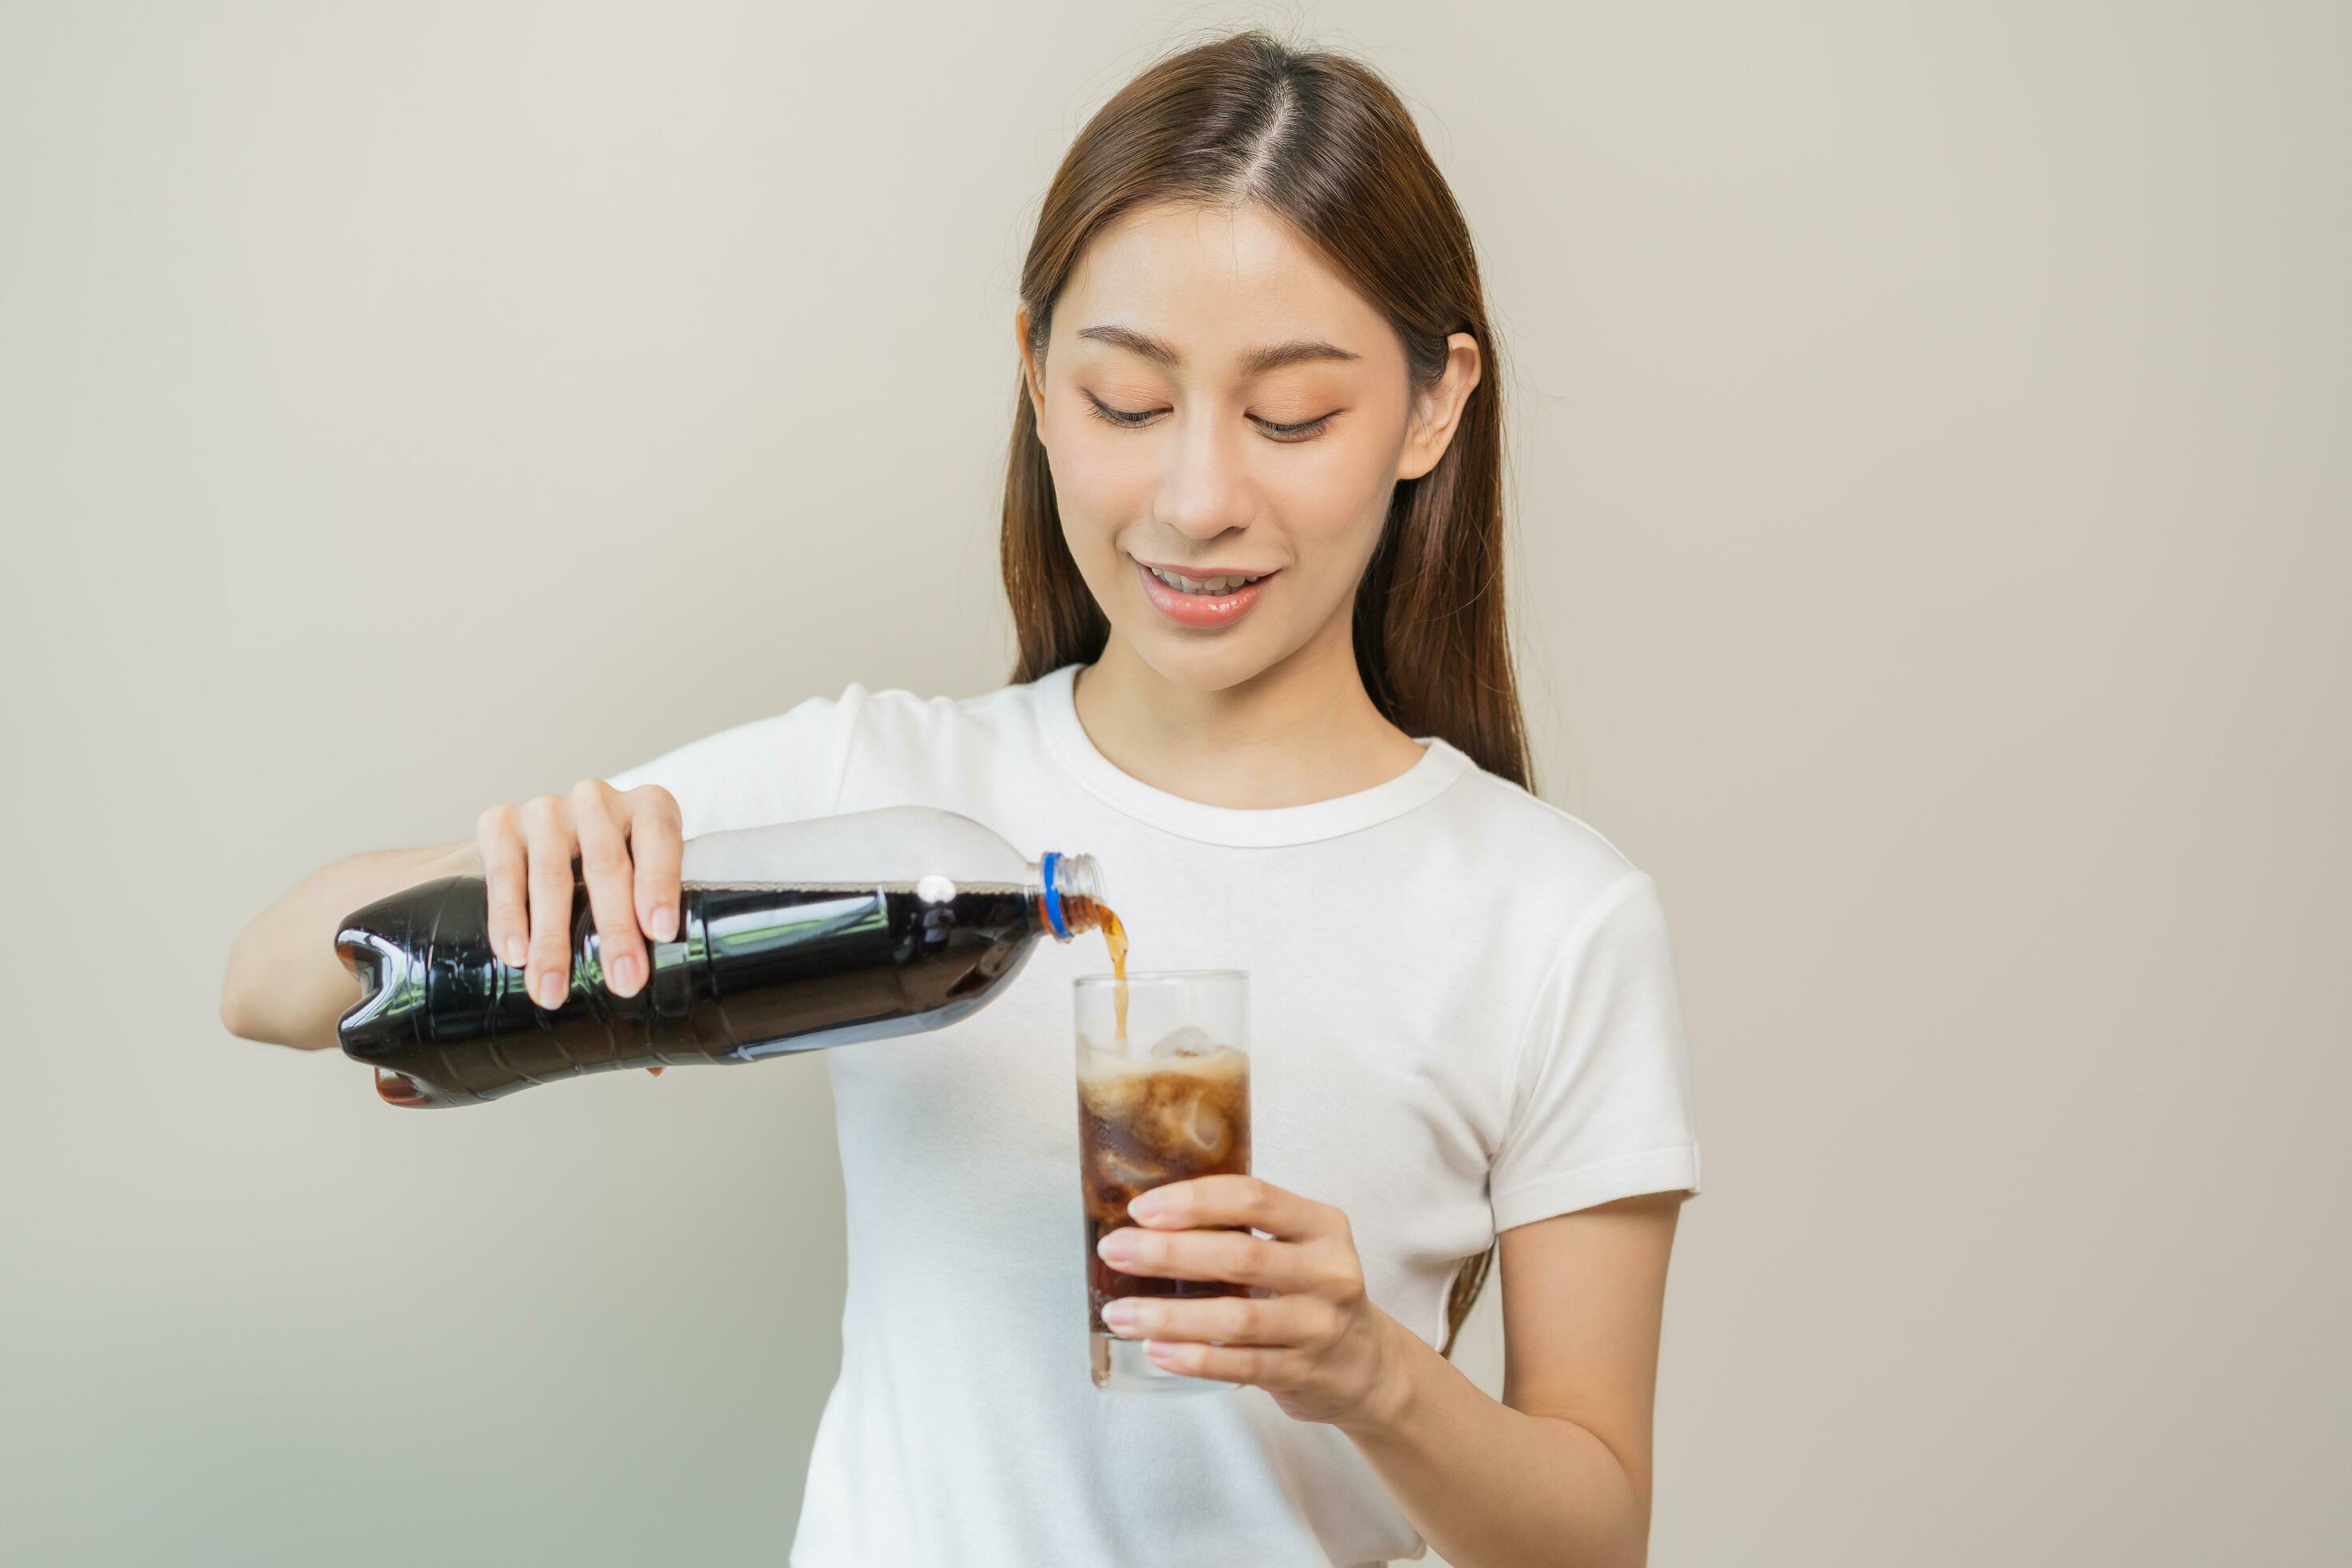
x=1286 y=433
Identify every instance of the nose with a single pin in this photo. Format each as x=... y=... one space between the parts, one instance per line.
x=1203 y=490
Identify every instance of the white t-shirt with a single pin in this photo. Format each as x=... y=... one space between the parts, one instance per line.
x=1463 y=1017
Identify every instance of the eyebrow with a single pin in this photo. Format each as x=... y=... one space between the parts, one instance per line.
x=1257 y=362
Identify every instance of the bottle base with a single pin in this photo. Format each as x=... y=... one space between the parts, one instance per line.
x=1121 y=1367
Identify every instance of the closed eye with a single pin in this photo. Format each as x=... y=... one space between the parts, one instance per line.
x=1305 y=431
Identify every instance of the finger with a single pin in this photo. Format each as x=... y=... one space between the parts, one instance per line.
x=498 y=840
x=1300 y=1323
x=1231 y=1199
x=547 y=840
x=1234 y=1256
x=1225 y=1363
x=655 y=846
x=605 y=867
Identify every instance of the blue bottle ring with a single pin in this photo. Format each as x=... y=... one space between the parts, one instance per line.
x=1053 y=895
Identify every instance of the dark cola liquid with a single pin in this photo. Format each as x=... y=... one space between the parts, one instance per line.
x=757 y=970
x=1142 y=1124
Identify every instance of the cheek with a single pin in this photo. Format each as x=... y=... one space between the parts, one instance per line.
x=1098 y=476
x=1096 y=494
x=1332 y=503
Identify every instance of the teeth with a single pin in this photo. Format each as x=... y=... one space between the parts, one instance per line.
x=1184 y=585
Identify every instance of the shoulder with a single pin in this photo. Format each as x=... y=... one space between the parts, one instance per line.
x=900 y=735
x=1513 y=839
x=817 y=739
x=895 y=711
x=808 y=730
x=780 y=767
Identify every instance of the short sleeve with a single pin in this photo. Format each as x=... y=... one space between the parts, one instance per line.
x=784 y=768
x=1602 y=1104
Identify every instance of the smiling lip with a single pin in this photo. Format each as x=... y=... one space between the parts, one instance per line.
x=1199 y=611
x=1202 y=573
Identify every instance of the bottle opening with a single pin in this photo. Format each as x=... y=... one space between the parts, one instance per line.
x=1074 y=892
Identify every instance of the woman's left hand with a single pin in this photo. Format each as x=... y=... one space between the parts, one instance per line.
x=1307 y=1335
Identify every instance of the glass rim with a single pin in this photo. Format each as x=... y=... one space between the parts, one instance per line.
x=1160 y=977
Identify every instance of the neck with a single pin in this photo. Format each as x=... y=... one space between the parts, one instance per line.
x=1300 y=730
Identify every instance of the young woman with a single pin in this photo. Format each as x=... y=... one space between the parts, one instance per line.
x=1253 y=543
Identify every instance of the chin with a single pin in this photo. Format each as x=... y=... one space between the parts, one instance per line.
x=1210 y=661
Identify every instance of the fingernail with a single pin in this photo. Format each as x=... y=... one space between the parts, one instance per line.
x=627 y=974
x=518 y=951
x=549 y=989
x=1118 y=1315
x=1116 y=1247
x=664 y=923
x=1146 y=1205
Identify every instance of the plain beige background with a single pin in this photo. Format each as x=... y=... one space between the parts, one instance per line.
x=1928 y=430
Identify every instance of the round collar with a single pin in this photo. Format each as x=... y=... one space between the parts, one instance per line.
x=1247 y=827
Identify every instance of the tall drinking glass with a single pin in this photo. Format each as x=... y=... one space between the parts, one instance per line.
x=1163 y=1099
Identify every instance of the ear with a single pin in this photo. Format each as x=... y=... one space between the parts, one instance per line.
x=1436 y=411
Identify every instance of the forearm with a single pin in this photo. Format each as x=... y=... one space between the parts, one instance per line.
x=284 y=984
x=1491 y=1487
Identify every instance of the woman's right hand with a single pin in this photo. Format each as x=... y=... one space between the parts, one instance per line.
x=628 y=847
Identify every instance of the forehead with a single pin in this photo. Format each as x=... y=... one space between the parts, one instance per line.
x=1214 y=283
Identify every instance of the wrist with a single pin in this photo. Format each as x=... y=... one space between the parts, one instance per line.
x=1397 y=1372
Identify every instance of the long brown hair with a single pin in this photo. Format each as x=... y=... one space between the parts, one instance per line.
x=1322 y=142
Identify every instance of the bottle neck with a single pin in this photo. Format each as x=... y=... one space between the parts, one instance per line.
x=1069 y=896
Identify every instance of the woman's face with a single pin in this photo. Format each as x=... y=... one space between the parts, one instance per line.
x=1217 y=404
